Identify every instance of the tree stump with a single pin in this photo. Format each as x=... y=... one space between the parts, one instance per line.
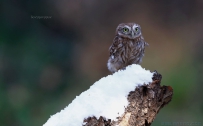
x=144 y=104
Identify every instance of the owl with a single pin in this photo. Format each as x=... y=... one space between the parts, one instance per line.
x=128 y=47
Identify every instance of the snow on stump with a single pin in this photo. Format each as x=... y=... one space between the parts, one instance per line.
x=130 y=97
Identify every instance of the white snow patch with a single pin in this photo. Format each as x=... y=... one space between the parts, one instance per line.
x=106 y=97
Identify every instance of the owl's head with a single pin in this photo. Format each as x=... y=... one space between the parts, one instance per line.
x=129 y=30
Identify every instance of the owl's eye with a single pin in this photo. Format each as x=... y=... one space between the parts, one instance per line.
x=137 y=29
x=125 y=30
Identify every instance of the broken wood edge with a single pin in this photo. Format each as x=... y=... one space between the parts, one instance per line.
x=144 y=104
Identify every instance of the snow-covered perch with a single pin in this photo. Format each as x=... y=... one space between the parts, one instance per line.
x=128 y=97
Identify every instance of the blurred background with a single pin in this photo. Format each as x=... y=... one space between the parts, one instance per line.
x=51 y=51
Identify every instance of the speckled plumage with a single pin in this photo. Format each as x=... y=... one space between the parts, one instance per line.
x=128 y=47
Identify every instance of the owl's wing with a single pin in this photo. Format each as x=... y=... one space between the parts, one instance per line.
x=115 y=47
x=145 y=43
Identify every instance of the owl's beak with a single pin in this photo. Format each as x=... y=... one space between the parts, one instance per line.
x=133 y=34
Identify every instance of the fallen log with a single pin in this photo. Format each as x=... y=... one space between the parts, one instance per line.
x=130 y=97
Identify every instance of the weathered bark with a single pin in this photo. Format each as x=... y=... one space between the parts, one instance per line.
x=144 y=104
